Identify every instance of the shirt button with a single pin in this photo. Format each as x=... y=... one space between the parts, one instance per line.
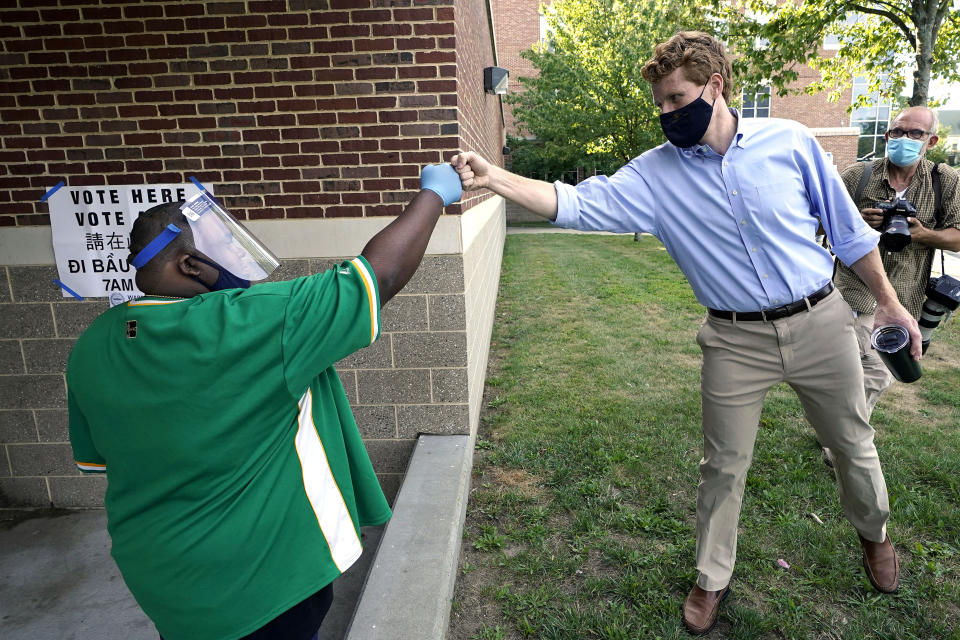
x=766 y=276
x=754 y=249
x=743 y=222
x=775 y=301
x=726 y=164
x=734 y=192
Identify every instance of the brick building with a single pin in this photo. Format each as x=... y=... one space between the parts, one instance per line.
x=311 y=120
x=519 y=25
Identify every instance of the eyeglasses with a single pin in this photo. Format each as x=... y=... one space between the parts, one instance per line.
x=914 y=134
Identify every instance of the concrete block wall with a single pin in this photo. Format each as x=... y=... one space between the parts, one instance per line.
x=484 y=234
x=37 y=331
x=414 y=379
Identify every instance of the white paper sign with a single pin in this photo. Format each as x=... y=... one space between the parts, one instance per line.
x=91 y=234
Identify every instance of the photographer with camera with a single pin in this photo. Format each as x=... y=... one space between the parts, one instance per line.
x=915 y=204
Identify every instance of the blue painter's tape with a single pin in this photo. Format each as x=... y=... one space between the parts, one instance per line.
x=49 y=193
x=67 y=289
x=155 y=246
x=202 y=188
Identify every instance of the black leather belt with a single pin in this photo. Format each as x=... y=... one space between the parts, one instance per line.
x=777 y=312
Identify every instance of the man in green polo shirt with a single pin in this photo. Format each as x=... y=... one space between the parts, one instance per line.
x=238 y=481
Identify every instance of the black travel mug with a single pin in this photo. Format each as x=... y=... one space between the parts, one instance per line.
x=892 y=343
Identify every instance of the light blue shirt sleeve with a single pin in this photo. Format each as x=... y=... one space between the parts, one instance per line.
x=850 y=236
x=622 y=203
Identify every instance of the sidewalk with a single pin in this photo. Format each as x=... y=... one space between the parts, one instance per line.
x=58 y=581
x=951 y=263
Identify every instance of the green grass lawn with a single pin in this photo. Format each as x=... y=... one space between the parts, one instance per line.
x=580 y=522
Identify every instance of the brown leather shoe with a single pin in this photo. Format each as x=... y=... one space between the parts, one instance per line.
x=880 y=561
x=700 y=609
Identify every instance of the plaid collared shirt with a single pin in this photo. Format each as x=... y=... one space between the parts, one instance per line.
x=907 y=269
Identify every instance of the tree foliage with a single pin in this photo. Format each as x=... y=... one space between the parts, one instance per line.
x=589 y=106
x=939 y=152
x=880 y=41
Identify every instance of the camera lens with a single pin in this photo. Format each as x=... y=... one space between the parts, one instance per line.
x=943 y=297
x=896 y=233
x=930 y=316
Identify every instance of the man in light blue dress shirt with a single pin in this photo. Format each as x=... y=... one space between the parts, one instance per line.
x=737 y=205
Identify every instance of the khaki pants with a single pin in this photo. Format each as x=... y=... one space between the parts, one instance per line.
x=876 y=377
x=816 y=353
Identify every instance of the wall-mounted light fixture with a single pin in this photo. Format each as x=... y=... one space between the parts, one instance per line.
x=495 y=80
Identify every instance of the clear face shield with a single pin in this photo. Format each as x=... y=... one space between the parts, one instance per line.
x=225 y=243
x=221 y=237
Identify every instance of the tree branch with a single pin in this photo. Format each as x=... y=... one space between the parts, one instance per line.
x=895 y=8
x=892 y=17
x=942 y=9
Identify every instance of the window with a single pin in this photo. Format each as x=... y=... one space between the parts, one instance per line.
x=872 y=120
x=546 y=32
x=831 y=41
x=756 y=105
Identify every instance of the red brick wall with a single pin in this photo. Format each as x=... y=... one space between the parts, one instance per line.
x=815 y=111
x=812 y=110
x=292 y=109
x=517 y=23
x=843 y=148
x=481 y=123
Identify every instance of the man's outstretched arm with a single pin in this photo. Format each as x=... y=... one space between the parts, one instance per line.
x=396 y=251
x=536 y=196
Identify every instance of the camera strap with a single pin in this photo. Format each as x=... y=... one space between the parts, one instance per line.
x=864 y=179
x=938 y=208
x=937 y=196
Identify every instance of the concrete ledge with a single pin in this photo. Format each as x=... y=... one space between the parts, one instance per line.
x=410 y=584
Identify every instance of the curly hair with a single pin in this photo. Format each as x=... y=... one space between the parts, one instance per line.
x=700 y=54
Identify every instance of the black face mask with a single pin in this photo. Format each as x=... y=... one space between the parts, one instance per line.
x=225 y=279
x=685 y=127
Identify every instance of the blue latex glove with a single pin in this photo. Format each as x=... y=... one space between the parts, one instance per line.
x=443 y=180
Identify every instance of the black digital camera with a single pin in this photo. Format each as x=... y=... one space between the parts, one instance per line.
x=895 y=231
x=943 y=297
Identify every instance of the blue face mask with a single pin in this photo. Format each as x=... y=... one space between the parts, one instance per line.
x=904 y=151
x=684 y=127
x=225 y=279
